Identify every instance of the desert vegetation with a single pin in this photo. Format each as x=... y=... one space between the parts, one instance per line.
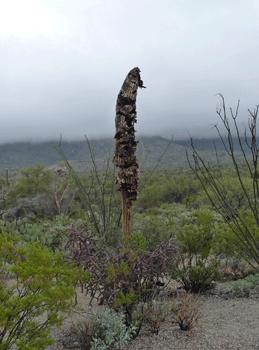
x=60 y=230
x=176 y=232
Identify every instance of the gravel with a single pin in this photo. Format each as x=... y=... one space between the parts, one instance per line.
x=227 y=322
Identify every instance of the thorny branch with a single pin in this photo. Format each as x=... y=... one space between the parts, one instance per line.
x=220 y=196
x=144 y=269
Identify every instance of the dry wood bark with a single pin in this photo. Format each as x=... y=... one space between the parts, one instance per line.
x=126 y=146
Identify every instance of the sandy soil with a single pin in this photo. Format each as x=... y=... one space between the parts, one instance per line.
x=227 y=322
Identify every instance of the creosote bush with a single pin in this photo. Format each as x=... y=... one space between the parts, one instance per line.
x=196 y=269
x=39 y=282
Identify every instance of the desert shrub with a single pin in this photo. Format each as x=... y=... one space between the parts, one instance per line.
x=155 y=313
x=103 y=331
x=187 y=312
x=80 y=335
x=52 y=233
x=198 y=278
x=124 y=276
x=253 y=280
x=166 y=187
x=153 y=228
x=98 y=196
x=248 y=222
x=228 y=242
x=230 y=180
x=242 y=287
x=240 y=211
x=34 y=180
x=39 y=193
x=40 y=283
x=159 y=224
x=197 y=269
x=112 y=332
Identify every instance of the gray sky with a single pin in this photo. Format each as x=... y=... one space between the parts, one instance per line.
x=62 y=64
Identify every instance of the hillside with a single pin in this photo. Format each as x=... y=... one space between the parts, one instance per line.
x=19 y=155
x=15 y=156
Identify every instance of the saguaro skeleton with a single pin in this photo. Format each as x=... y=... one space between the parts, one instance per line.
x=126 y=145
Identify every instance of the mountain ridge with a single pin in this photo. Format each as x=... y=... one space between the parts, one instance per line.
x=19 y=155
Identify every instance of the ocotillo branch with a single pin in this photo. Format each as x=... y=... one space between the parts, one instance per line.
x=126 y=146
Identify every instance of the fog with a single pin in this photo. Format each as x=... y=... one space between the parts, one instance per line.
x=62 y=64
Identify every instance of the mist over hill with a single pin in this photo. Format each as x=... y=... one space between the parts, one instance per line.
x=18 y=155
x=207 y=144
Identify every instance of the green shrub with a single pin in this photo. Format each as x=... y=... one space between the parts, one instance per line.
x=39 y=282
x=34 y=180
x=242 y=287
x=124 y=276
x=197 y=269
x=198 y=278
x=112 y=332
x=103 y=331
x=158 y=225
x=168 y=187
x=153 y=229
x=253 y=280
x=52 y=233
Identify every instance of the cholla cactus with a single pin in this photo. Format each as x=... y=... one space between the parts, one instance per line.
x=126 y=145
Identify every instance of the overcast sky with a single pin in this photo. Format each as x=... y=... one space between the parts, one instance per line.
x=62 y=64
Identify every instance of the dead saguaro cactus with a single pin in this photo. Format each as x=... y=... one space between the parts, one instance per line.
x=126 y=146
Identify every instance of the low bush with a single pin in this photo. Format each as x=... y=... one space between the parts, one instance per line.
x=168 y=187
x=103 y=331
x=253 y=280
x=39 y=282
x=51 y=234
x=198 y=278
x=79 y=336
x=187 y=312
x=197 y=269
x=159 y=224
x=124 y=276
x=242 y=288
x=112 y=332
x=155 y=313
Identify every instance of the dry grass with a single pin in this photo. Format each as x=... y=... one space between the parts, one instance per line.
x=187 y=312
x=155 y=314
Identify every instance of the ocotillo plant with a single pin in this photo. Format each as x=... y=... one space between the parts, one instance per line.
x=126 y=145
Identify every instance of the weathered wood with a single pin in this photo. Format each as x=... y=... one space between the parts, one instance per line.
x=126 y=145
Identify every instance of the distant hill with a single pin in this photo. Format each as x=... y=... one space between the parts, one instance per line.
x=19 y=155
x=208 y=144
